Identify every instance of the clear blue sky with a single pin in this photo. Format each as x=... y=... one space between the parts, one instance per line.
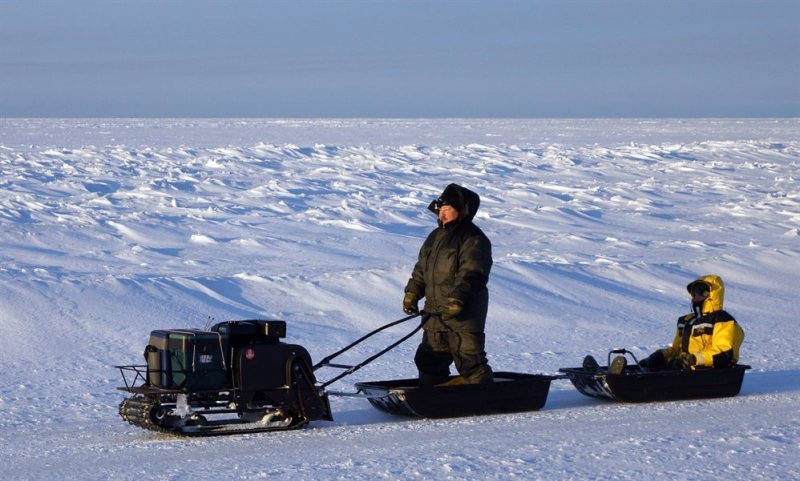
x=492 y=58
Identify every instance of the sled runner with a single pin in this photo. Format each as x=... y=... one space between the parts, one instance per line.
x=510 y=392
x=636 y=384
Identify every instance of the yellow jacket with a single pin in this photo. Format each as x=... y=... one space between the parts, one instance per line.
x=710 y=333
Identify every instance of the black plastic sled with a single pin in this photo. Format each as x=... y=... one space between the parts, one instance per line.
x=509 y=393
x=636 y=384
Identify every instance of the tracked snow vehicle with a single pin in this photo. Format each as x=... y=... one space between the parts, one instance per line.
x=237 y=377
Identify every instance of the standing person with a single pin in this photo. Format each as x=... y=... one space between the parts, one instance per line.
x=451 y=273
x=708 y=337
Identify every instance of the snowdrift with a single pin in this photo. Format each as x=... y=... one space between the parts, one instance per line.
x=113 y=228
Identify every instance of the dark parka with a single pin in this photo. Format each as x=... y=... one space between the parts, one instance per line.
x=454 y=262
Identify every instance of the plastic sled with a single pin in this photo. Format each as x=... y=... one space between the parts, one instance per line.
x=510 y=392
x=636 y=384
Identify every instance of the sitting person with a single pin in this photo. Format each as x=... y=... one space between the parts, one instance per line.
x=708 y=337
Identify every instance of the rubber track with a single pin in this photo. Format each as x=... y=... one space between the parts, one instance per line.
x=136 y=411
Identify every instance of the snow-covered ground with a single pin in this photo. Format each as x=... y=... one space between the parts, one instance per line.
x=112 y=228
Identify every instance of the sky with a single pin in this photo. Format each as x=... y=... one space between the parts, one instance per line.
x=400 y=59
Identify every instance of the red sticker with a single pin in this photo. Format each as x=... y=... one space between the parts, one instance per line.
x=249 y=354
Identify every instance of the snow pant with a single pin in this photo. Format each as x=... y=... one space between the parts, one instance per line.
x=439 y=349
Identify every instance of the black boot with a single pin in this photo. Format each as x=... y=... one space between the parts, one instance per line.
x=589 y=364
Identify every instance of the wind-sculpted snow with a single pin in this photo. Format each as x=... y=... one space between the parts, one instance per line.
x=112 y=228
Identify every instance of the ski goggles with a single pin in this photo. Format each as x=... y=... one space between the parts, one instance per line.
x=699 y=289
x=439 y=203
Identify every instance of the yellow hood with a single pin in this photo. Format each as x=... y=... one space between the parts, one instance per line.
x=716 y=292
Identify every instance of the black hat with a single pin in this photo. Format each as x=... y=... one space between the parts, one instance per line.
x=450 y=197
x=450 y=200
x=462 y=199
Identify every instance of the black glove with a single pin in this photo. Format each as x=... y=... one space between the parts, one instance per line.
x=410 y=301
x=453 y=309
x=687 y=361
x=653 y=361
